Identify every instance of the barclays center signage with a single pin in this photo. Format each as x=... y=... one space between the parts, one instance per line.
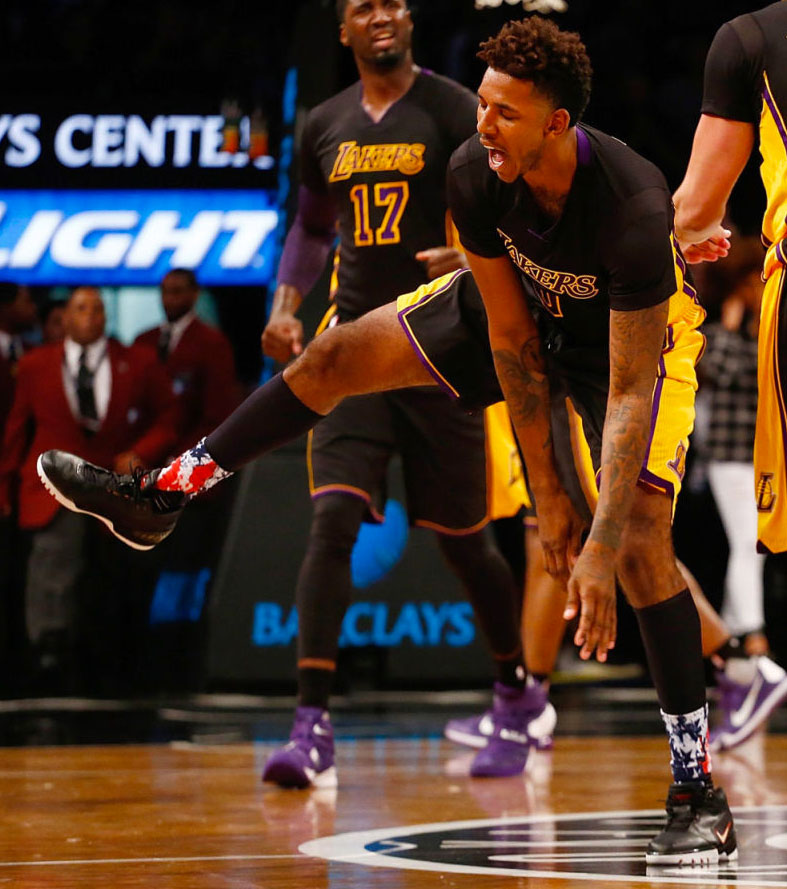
x=118 y=199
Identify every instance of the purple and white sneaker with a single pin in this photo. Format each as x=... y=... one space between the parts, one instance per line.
x=529 y=712
x=307 y=760
x=745 y=705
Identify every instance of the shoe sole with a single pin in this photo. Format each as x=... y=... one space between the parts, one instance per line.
x=69 y=504
x=287 y=775
x=478 y=742
x=733 y=739
x=691 y=859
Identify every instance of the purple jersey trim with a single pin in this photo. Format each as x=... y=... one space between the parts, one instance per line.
x=584 y=149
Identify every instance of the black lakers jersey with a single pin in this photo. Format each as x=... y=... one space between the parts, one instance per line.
x=746 y=80
x=387 y=182
x=610 y=249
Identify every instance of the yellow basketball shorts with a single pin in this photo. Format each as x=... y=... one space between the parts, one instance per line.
x=771 y=435
x=446 y=324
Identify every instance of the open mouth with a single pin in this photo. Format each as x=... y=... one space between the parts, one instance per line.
x=496 y=156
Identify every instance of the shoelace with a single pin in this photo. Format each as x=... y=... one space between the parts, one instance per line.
x=129 y=486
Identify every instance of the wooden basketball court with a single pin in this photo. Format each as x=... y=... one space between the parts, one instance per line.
x=190 y=815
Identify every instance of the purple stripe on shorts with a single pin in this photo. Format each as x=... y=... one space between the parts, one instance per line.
x=651 y=480
x=654 y=413
x=422 y=357
x=766 y=94
x=777 y=378
x=681 y=262
x=780 y=253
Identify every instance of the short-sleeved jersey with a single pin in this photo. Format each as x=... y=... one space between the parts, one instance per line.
x=387 y=182
x=746 y=80
x=612 y=247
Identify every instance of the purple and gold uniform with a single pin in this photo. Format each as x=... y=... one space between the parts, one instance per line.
x=746 y=80
x=386 y=181
x=612 y=248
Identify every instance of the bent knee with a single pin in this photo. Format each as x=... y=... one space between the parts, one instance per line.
x=323 y=359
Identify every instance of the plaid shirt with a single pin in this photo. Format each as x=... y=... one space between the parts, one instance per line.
x=729 y=367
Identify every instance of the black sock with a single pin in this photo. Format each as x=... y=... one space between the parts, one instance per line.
x=323 y=591
x=511 y=671
x=732 y=648
x=490 y=586
x=269 y=417
x=672 y=637
x=314 y=687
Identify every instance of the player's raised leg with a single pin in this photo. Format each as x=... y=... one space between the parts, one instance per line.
x=371 y=354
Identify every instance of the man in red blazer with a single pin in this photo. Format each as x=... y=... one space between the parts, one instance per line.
x=197 y=357
x=92 y=395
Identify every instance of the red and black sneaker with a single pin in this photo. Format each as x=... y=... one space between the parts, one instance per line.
x=133 y=509
x=699 y=827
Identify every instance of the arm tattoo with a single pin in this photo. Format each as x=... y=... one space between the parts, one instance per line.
x=526 y=389
x=636 y=340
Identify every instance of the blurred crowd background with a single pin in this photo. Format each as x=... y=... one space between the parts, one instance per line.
x=212 y=97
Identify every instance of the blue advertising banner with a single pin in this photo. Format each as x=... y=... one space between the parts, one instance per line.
x=109 y=238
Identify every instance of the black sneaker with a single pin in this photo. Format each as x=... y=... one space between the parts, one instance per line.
x=131 y=507
x=699 y=827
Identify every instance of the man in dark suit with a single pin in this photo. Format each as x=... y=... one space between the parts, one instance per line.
x=92 y=394
x=197 y=357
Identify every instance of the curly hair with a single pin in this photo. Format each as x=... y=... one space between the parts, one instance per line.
x=554 y=61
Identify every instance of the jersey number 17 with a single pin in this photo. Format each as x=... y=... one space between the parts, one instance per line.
x=393 y=197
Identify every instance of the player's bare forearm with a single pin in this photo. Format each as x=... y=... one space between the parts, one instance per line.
x=286 y=299
x=719 y=153
x=636 y=340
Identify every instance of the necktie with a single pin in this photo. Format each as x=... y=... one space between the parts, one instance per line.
x=163 y=343
x=14 y=351
x=86 y=395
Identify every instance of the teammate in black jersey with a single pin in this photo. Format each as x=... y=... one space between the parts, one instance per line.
x=373 y=161
x=571 y=249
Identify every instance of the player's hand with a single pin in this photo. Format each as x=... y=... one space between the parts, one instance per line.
x=127 y=462
x=591 y=594
x=441 y=260
x=282 y=337
x=705 y=246
x=560 y=529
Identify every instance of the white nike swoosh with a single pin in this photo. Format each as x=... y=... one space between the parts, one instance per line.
x=508 y=735
x=739 y=716
x=486 y=725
